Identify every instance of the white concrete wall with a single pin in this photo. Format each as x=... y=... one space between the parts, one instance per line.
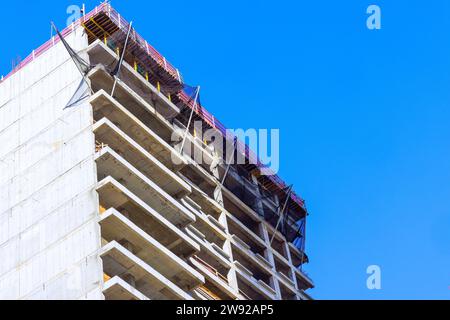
x=49 y=233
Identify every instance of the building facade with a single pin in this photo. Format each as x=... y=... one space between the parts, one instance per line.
x=99 y=201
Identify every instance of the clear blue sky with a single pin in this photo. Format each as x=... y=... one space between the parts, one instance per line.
x=364 y=117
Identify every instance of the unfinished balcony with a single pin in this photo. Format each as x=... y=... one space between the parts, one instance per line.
x=284 y=273
x=117 y=289
x=243 y=208
x=107 y=133
x=203 y=195
x=251 y=289
x=113 y=194
x=104 y=106
x=285 y=228
x=303 y=280
x=131 y=81
x=135 y=104
x=244 y=238
x=200 y=177
x=254 y=272
x=200 y=156
x=208 y=292
x=116 y=227
x=244 y=219
x=250 y=257
x=207 y=228
x=298 y=257
x=278 y=243
x=238 y=186
x=283 y=268
x=210 y=248
x=216 y=275
x=287 y=292
x=120 y=262
x=109 y=163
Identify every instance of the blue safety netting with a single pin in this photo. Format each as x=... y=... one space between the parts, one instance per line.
x=191 y=92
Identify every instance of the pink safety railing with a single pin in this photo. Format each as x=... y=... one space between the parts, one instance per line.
x=152 y=52
x=117 y=19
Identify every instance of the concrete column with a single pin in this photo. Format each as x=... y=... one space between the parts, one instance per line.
x=262 y=232
x=232 y=277
x=289 y=258
x=269 y=256
x=214 y=168
x=180 y=130
x=268 y=252
x=286 y=252
x=218 y=196
x=276 y=285
x=259 y=208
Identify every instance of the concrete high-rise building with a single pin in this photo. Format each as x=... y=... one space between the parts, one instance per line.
x=99 y=201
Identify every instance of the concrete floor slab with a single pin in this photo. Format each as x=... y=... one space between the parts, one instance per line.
x=115 y=227
x=108 y=133
x=109 y=163
x=106 y=106
x=117 y=261
x=114 y=195
x=119 y=290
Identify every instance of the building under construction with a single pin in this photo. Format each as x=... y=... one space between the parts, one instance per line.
x=93 y=205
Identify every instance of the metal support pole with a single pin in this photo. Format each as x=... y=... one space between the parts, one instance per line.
x=282 y=213
x=121 y=60
x=229 y=165
x=190 y=119
x=303 y=244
